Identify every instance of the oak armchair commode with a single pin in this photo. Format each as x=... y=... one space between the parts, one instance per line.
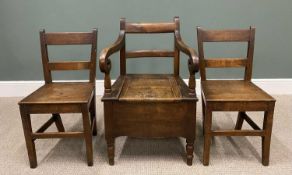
x=149 y=105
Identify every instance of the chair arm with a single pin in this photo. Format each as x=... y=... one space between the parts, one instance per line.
x=104 y=61
x=193 y=56
x=193 y=62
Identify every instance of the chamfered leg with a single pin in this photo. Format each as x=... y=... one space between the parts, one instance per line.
x=27 y=130
x=207 y=136
x=266 y=140
x=58 y=122
x=87 y=135
x=239 y=121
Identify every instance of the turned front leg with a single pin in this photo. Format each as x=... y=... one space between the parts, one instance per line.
x=190 y=150
x=111 y=150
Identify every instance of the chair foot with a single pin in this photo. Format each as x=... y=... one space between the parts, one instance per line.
x=205 y=163
x=111 y=151
x=90 y=163
x=33 y=166
x=190 y=150
x=111 y=161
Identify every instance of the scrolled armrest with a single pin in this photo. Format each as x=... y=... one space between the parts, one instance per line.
x=104 y=61
x=193 y=61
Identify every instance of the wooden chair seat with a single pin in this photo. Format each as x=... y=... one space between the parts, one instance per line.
x=153 y=88
x=233 y=90
x=61 y=93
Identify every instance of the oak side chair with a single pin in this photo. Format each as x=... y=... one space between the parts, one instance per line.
x=62 y=97
x=233 y=95
x=149 y=105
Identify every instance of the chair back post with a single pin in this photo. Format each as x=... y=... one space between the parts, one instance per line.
x=247 y=35
x=45 y=58
x=123 y=49
x=92 y=77
x=176 y=59
x=68 y=38
x=250 y=53
x=201 y=54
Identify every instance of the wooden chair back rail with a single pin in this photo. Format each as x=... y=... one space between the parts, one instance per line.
x=225 y=62
x=68 y=38
x=150 y=27
x=76 y=65
x=224 y=35
x=244 y=35
x=149 y=53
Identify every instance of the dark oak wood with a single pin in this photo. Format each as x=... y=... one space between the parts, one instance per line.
x=233 y=95
x=149 y=105
x=62 y=97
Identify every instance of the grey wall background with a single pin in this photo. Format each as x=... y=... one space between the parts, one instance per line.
x=21 y=20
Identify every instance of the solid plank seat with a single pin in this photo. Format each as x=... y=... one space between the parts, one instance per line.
x=233 y=90
x=149 y=105
x=61 y=93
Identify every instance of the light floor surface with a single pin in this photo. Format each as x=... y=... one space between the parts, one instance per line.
x=229 y=155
